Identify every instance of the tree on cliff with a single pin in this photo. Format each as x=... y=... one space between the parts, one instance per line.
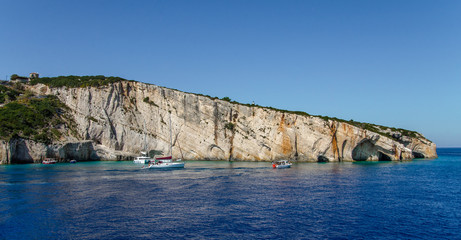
x=14 y=77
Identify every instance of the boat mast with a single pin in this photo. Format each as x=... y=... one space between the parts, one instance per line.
x=145 y=139
x=171 y=140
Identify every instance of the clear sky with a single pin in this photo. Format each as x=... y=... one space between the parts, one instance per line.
x=393 y=63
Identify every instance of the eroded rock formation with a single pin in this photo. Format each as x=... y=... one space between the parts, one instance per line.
x=27 y=151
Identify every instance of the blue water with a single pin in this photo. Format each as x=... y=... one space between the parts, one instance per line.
x=420 y=199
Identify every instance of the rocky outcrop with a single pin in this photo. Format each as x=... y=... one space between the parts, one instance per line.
x=125 y=118
x=26 y=151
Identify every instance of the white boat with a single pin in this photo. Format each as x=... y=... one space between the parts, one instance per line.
x=143 y=159
x=49 y=161
x=281 y=164
x=166 y=162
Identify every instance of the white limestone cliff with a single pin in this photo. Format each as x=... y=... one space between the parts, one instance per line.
x=125 y=118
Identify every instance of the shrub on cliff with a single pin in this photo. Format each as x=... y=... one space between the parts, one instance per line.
x=230 y=126
x=146 y=100
x=31 y=118
x=7 y=94
x=226 y=99
x=14 y=77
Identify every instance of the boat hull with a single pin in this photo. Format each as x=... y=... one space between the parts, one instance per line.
x=49 y=161
x=167 y=165
x=282 y=166
x=142 y=161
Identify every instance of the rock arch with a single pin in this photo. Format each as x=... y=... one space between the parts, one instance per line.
x=363 y=151
x=418 y=155
x=383 y=157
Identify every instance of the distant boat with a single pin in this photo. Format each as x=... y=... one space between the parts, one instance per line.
x=143 y=159
x=49 y=161
x=166 y=162
x=281 y=164
x=73 y=161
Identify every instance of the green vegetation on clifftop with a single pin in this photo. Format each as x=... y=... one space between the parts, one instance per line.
x=77 y=81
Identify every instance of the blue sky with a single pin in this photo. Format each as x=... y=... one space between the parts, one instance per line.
x=393 y=63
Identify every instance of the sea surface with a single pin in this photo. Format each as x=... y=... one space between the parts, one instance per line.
x=419 y=199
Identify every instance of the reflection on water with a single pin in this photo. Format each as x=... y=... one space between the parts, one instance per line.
x=107 y=200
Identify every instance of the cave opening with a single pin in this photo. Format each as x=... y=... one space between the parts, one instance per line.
x=418 y=155
x=383 y=157
x=322 y=158
x=363 y=151
x=21 y=154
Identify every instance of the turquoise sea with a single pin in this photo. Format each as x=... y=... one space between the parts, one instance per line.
x=419 y=199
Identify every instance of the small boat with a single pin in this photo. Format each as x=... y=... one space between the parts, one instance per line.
x=165 y=162
x=281 y=164
x=73 y=161
x=143 y=159
x=49 y=161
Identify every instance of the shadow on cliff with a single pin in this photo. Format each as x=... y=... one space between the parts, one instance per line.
x=20 y=152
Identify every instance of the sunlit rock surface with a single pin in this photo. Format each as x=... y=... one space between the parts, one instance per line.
x=124 y=118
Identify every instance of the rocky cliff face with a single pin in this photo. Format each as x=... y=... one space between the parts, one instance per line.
x=129 y=117
x=27 y=151
x=125 y=118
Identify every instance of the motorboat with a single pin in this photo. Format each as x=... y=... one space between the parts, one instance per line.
x=281 y=164
x=49 y=161
x=143 y=159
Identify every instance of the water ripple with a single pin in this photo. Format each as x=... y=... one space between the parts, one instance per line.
x=222 y=200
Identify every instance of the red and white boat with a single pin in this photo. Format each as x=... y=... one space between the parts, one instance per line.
x=281 y=164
